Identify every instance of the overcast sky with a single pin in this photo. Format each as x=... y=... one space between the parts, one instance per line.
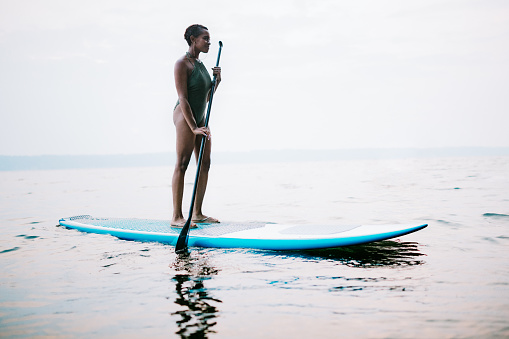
x=96 y=76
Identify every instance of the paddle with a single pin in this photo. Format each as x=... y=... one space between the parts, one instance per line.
x=182 y=240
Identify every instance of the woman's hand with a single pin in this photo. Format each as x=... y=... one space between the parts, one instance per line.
x=216 y=71
x=205 y=131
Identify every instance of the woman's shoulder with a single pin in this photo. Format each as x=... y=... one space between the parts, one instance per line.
x=183 y=63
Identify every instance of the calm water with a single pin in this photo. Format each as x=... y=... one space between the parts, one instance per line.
x=450 y=280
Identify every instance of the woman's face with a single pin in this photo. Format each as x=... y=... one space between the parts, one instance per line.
x=202 y=42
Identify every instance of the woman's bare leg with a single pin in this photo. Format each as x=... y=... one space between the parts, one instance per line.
x=185 y=144
x=203 y=179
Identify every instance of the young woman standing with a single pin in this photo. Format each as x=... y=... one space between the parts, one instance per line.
x=193 y=84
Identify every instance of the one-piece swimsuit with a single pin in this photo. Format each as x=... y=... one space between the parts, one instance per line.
x=198 y=87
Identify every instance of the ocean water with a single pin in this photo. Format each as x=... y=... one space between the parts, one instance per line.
x=450 y=280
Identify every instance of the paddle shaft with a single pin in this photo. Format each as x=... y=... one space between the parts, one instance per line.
x=181 y=245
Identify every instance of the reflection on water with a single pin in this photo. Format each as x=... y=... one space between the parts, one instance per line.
x=381 y=253
x=198 y=309
x=198 y=313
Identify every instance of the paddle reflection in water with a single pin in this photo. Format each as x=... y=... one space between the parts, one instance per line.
x=198 y=313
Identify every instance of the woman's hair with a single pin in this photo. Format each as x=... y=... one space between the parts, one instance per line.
x=194 y=30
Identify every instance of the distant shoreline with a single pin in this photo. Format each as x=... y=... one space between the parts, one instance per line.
x=50 y=162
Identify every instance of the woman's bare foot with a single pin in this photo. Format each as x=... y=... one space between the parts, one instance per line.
x=181 y=222
x=203 y=219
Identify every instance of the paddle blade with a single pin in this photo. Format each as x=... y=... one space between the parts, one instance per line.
x=181 y=245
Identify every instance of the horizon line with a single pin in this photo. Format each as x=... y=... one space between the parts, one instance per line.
x=81 y=161
x=450 y=148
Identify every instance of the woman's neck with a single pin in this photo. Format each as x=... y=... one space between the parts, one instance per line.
x=192 y=53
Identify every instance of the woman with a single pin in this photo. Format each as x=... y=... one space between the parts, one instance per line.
x=193 y=88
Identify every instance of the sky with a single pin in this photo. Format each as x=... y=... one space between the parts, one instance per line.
x=96 y=76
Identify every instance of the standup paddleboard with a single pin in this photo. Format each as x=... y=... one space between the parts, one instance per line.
x=255 y=235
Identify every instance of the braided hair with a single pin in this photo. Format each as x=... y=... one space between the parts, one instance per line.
x=193 y=30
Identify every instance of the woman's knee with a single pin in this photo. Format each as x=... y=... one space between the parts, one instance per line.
x=182 y=164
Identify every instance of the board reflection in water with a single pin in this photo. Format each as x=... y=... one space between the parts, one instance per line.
x=381 y=253
x=198 y=312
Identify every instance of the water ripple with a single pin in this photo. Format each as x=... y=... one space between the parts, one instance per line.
x=496 y=215
x=10 y=250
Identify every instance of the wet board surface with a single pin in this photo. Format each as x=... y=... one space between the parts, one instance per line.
x=255 y=235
